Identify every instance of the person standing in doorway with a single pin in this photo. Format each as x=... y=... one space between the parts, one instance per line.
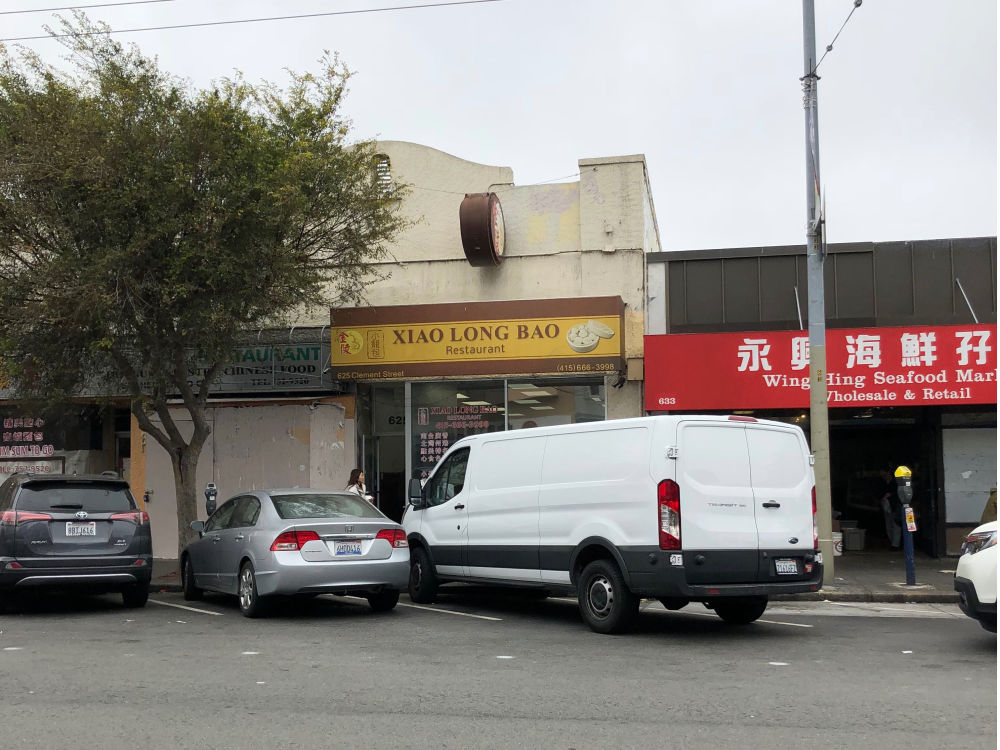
x=891 y=508
x=357 y=485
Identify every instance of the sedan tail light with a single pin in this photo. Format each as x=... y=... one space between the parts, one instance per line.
x=290 y=541
x=395 y=537
x=14 y=517
x=138 y=517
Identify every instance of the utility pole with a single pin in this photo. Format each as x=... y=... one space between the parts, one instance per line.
x=818 y=421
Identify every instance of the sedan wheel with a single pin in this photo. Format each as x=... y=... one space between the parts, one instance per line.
x=251 y=604
x=384 y=600
x=191 y=592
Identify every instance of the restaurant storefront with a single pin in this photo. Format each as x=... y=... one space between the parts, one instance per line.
x=429 y=375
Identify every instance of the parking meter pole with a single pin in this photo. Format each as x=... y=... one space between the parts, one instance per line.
x=911 y=571
x=904 y=488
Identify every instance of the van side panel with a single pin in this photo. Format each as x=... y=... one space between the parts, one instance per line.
x=503 y=509
x=595 y=483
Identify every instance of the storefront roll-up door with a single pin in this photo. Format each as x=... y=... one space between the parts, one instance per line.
x=970 y=471
x=718 y=531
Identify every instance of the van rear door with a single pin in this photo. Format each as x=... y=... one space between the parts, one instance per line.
x=782 y=487
x=719 y=538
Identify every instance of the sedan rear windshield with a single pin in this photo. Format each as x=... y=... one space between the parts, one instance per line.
x=324 y=506
x=59 y=496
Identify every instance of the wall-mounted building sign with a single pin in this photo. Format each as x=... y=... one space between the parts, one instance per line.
x=906 y=366
x=555 y=336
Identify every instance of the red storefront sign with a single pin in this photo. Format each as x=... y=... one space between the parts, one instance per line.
x=906 y=366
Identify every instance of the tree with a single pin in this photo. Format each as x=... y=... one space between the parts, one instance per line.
x=144 y=224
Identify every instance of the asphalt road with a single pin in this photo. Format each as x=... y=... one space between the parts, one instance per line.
x=475 y=670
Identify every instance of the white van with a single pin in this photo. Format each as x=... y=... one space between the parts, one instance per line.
x=683 y=509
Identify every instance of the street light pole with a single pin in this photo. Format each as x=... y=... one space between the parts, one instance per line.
x=818 y=421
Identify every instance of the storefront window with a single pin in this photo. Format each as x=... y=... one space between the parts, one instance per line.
x=443 y=412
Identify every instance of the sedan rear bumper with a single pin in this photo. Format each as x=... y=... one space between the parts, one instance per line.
x=290 y=574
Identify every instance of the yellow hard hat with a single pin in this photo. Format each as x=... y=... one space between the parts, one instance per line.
x=903 y=471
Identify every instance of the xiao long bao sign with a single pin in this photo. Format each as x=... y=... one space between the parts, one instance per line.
x=906 y=366
x=557 y=336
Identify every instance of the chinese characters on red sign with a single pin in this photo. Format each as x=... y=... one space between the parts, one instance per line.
x=907 y=366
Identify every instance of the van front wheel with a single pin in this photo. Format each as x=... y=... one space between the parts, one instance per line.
x=741 y=611
x=606 y=604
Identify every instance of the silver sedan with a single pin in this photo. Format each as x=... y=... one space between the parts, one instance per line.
x=300 y=541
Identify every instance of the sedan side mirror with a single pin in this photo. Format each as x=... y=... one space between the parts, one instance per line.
x=198 y=526
x=415 y=493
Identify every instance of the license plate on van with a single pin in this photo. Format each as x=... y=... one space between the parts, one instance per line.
x=786 y=567
x=346 y=549
x=81 y=528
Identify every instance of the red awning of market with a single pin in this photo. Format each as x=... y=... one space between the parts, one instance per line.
x=904 y=366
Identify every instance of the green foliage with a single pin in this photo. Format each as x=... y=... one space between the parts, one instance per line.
x=144 y=224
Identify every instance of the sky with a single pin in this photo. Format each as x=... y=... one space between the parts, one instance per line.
x=707 y=90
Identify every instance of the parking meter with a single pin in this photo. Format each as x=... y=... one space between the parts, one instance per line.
x=904 y=488
x=210 y=492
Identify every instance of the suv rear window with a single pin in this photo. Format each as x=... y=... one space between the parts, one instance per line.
x=95 y=498
x=324 y=506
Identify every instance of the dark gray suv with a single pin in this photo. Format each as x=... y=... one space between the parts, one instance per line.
x=83 y=533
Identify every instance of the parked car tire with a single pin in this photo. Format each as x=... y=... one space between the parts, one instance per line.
x=606 y=603
x=251 y=602
x=191 y=592
x=384 y=600
x=423 y=581
x=741 y=611
x=135 y=596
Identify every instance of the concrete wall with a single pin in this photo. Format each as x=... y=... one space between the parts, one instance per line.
x=586 y=238
x=252 y=446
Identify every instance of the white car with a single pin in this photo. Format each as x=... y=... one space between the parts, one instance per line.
x=976 y=576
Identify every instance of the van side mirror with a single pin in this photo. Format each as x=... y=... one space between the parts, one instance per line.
x=415 y=493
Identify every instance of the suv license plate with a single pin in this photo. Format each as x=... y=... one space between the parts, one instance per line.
x=81 y=528
x=786 y=567
x=342 y=549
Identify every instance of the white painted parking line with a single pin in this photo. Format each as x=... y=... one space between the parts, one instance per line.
x=450 y=612
x=769 y=622
x=181 y=606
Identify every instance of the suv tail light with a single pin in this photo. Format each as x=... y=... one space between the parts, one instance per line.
x=290 y=541
x=395 y=537
x=815 y=528
x=668 y=496
x=138 y=517
x=14 y=517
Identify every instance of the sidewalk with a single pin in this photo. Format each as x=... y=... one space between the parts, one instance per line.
x=878 y=576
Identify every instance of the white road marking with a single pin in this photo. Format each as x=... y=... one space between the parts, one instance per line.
x=505 y=657
x=769 y=622
x=13 y=648
x=249 y=653
x=182 y=606
x=778 y=663
x=450 y=612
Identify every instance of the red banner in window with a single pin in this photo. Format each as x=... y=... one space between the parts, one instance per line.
x=906 y=366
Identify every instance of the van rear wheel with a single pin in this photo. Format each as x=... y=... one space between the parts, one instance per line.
x=423 y=582
x=606 y=603
x=741 y=611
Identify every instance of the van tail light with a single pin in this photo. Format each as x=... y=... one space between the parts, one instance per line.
x=395 y=537
x=668 y=496
x=138 y=517
x=15 y=517
x=291 y=541
x=815 y=528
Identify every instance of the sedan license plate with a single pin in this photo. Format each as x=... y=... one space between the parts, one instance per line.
x=786 y=567
x=81 y=528
x=346 y=549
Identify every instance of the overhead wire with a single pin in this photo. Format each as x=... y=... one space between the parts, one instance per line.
x=81 y=7
x=252 y=20
x=829 y=47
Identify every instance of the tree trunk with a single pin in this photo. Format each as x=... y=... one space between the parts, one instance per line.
x=185 y=465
